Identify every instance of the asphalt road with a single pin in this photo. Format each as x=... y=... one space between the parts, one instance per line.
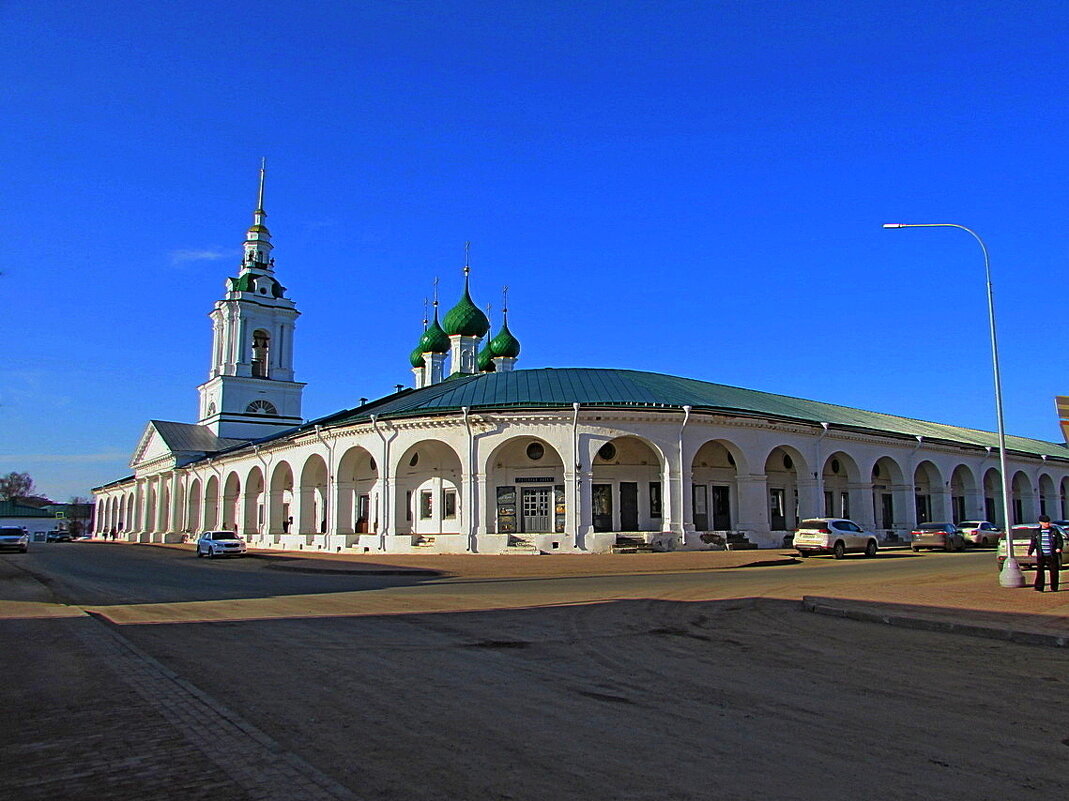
x=686 y=686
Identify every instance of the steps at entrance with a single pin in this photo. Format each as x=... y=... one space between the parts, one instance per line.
x=737 y=541
x=424 y=542
x=626 y=544
x=521 y=546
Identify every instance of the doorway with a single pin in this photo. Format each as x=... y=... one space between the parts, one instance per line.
x=535 y=508
x=701 y=508
x=628 y=506
x=777 y=516
x=721 y=508
x=601 y=500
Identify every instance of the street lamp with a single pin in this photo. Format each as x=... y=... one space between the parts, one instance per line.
x=1010 y=575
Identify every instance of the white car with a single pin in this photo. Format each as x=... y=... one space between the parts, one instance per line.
x=220 y=543
x=980 y=532
x=14 y=537
x=833 y=535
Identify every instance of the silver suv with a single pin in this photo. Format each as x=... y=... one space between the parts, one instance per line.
x=833 y=535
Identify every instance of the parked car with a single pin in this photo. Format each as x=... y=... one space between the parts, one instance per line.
x=1022 y=535
x=14 y=537
x=833 y=535
x=57 y=536
x=220 y=543
x=980 y=532
x=944 y=536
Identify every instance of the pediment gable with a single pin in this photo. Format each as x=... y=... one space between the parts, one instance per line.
x=152 y=447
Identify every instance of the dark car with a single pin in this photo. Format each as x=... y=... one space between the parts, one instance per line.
x=58 y=536
x=944 y=536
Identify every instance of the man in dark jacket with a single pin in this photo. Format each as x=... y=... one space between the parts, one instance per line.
x=1047 y=544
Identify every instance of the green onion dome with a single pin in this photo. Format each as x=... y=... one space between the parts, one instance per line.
x=504 y=344
x=466 y=319
x=434 y=339
x=484 y=362
x=416 y=358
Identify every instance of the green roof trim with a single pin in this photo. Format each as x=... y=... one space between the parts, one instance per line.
x=244 y=283
x=592 y=387
x=14 y=509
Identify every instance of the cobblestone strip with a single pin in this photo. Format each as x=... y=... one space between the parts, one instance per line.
x=252 y=759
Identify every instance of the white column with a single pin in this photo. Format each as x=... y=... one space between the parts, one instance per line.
x=753 y=503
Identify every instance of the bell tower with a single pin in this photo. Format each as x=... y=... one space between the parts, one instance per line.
x=250 y=391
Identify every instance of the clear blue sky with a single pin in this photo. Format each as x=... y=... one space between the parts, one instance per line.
x=694 y=188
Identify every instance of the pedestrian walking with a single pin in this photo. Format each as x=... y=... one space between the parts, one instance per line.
x=1047 y=544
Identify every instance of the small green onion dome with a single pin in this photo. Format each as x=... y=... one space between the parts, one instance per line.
x=416 y=358
x=466 y=319
x=434 y=339
x=504 y=344
x=484 y=362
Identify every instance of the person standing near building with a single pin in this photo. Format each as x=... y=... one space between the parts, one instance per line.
x=1047 y=544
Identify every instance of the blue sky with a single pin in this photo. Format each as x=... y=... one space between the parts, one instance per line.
x=694 y=188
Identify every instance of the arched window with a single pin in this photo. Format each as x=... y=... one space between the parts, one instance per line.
x=260 y=349
x=261 y=407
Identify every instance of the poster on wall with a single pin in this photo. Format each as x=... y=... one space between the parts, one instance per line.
x=506 y=510
x=559 y=508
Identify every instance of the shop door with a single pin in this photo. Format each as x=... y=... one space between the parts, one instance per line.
x=701 y=507
x=721 y=509
x=777 y=517
x=888 y=515
x=628 y=506
x=601 y=499
x=363 y=512
x=536 y=510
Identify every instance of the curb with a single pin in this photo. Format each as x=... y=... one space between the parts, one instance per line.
x=828 y=606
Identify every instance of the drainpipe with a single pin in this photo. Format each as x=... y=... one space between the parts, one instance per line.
x=577 y=494
x=330 y=486
x=818 y=474
x=471 y=479
x=682 y=490
x=384 y=471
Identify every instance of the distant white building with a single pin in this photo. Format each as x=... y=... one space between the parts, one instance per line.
x=485 y=458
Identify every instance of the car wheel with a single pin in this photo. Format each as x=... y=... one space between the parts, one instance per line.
x=915 y=549
x=211 y=552
x=948 y=546
x=199 y=554
x=870 y=549
x=839 y=551
x=804 y=554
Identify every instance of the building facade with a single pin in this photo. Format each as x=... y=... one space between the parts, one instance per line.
x=482 y=457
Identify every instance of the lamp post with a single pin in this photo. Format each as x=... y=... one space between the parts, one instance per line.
x=1010 y=575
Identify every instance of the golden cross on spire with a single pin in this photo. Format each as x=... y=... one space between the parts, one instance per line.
x=467 y=258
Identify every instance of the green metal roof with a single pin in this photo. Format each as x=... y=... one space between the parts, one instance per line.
x=14 y=509
x=560 y=388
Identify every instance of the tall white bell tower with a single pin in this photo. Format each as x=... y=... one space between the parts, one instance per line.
x=250 y=391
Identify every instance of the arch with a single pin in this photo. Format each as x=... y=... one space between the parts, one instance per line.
x=890 y=494
x=1022 y=498
x=261 y=353
x=841 y=476
x=427 y=476
x=1048 y=497
x=357 y=477
x=312 y=496
x=620 y=467
x=993 y=508
x=211 y=503
x=231 y=502
x=193 y=506
x=784 y=465
x=281 y=500
x=525 y=487
x=964 y=494
x=928 y=492
x=253 y=503
x=165 y=506
x=149 y=516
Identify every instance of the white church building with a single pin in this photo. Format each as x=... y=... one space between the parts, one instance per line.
x=481 y=457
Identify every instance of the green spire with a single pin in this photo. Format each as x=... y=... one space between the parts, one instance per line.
x=484 y=362
x=434 y=339
x=504 y=344
x=466 y=319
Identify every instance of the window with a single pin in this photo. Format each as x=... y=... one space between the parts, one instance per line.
x=260 y=350
x=261 y=407
x=408 y=505
x=426 y=505
x=607 y=452
x=535 y=451
x=655 y=499
x=449 y=503
x=846 y=504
